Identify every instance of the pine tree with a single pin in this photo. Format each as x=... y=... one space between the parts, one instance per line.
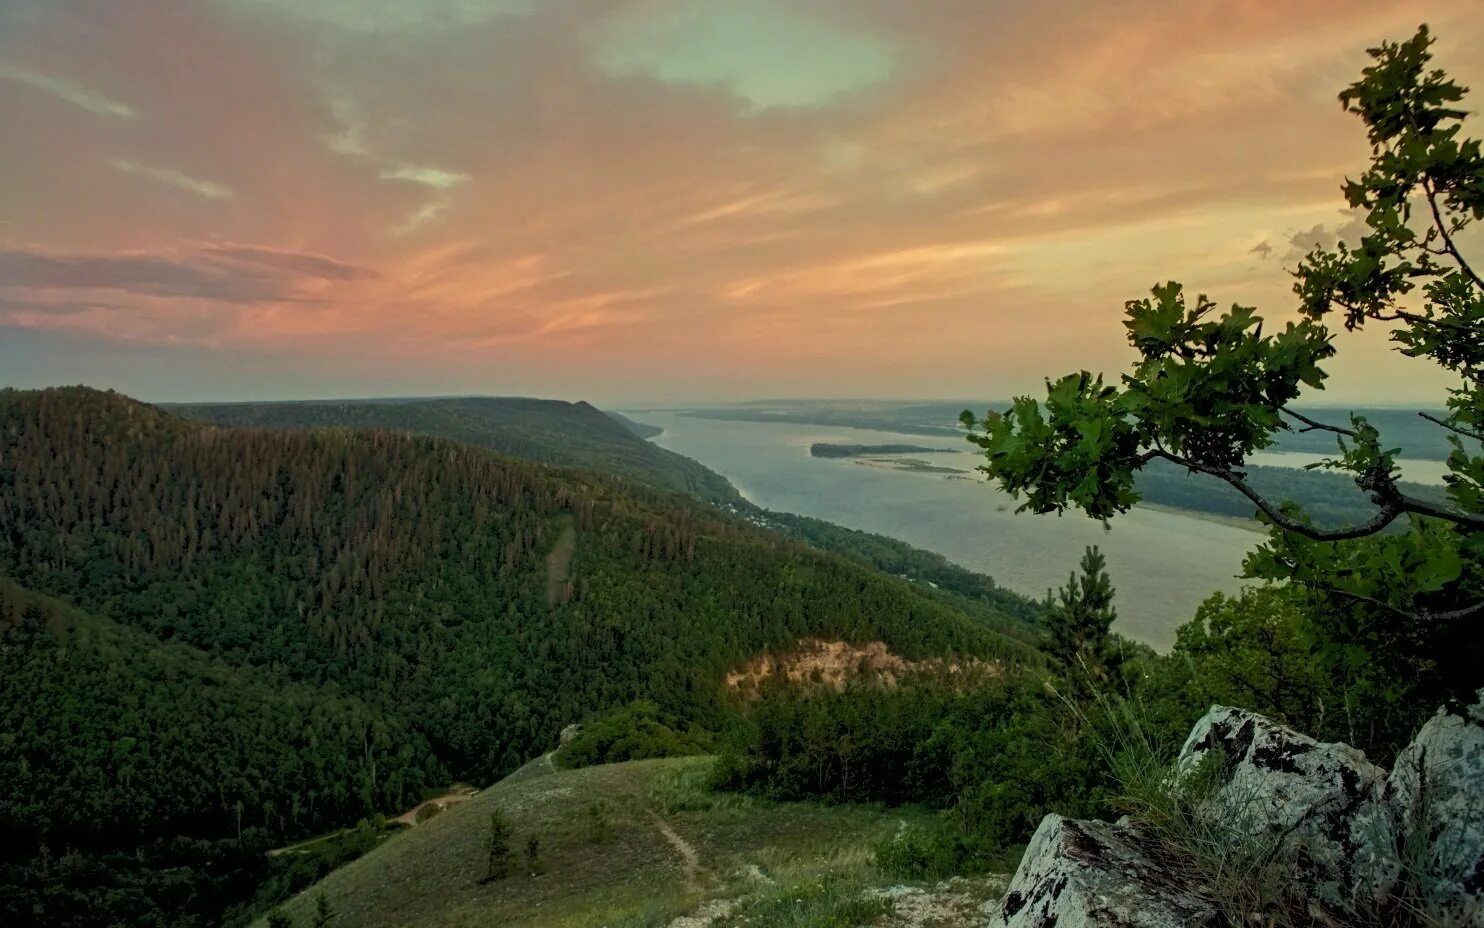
x=1078 y=619
x=322 y=911
x=533 y=853
x=279 y=919
x=499 y=848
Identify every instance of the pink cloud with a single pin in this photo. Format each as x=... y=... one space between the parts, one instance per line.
x=486 y=197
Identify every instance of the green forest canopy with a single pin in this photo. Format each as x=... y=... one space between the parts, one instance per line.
x=284 y=631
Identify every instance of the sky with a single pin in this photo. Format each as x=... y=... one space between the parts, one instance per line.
x=633 y=201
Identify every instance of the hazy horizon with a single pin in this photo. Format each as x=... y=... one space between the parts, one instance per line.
x=1320 y=401
x=650 y=202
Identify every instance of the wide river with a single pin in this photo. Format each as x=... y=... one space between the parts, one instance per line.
x=1163 y=563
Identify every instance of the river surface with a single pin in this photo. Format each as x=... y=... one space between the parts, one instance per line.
x=1163 y=563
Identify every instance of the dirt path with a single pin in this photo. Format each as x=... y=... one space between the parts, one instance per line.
x=410 y=816
x=456 y=795
x=690 y=861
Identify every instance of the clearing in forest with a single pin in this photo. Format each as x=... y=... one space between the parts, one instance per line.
x=559 y=563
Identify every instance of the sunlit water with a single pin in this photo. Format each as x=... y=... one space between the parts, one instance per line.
x=1163 y=563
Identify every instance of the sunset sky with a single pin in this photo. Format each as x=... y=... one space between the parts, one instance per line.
x=663 y=201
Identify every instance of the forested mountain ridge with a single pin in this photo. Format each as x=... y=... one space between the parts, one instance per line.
x=402 y=577
x=578 y=435
x=547 y=431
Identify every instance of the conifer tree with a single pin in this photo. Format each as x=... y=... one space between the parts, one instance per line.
x=1078 y=622
x=322 y=911
x=499 y=848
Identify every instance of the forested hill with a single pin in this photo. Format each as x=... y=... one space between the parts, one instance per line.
x=398 y=611
x=579 y=435
x=549 y=431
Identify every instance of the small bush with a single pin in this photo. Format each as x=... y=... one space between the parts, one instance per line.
x=917 y=853
x=599 y=824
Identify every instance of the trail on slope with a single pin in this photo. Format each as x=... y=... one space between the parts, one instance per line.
x=454 y=796
x=690 y=861
x=410 y=816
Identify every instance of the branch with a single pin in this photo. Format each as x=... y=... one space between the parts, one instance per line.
x=1384 y=517
x=1401 y=315
x=1422 y=615
x=1392 y=502
x=1437 y=217
x=1315 y=426
x=1466 y=433
x=1424 y=508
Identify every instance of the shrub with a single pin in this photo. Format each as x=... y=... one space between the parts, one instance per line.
x=637 y=731
x=917 y=852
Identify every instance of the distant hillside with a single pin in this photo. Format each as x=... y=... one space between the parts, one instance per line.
x=660 y=848
x=1330 y=498
x=398 y=611
x=1400 y=428
x=935 y=419
x=549 y=431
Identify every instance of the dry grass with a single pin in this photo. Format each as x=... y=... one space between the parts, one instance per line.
x=744 y=851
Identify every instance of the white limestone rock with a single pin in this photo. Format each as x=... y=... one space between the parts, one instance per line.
x=1340 y=841
x=1317 y=807
x=1081 y=874
x=1436 y=797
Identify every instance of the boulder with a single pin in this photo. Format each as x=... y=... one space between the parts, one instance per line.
x=1334 y=839
x=1309 y=812
x=1079 y=874
x=1436 y=799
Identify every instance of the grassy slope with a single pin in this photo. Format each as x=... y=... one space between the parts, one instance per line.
x=748 y=851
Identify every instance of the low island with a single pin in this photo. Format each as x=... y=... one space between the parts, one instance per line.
x=824 y=449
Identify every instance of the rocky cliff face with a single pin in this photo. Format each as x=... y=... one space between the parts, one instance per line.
x=1274 y=828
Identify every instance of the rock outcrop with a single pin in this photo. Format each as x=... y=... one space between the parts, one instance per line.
x=1436 y=798
x=1308 y=809
x=1310 y=829
x=1078 y=874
